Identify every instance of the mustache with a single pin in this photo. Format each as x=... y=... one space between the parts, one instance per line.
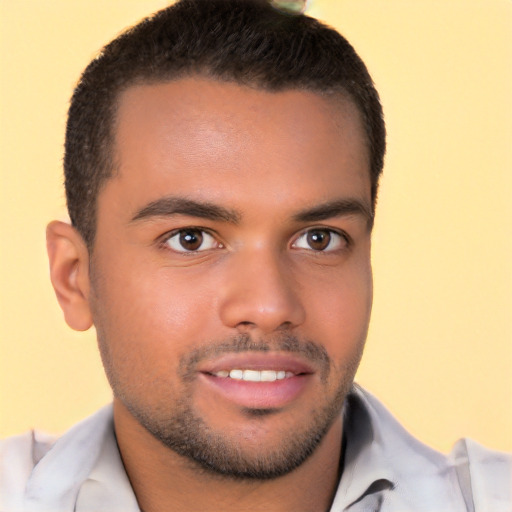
x=282 y=342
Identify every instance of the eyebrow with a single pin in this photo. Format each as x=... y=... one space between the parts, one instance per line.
x=336 y=208
x=168 y=206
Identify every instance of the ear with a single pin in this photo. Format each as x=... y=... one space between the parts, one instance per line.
x=69 y=273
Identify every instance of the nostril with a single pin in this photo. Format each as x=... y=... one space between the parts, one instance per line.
x=245 y=326
x=285 y=326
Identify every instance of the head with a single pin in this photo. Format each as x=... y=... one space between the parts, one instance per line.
x=222 y=161
x=246 y=42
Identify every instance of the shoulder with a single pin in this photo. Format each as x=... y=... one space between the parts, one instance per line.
x=470 y=478
x=484 y=475
x=38 y=471
x=19 y=454
x=18 y=457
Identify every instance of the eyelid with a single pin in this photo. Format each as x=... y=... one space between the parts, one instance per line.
x=163 y=239
x=338 y=232
x=170 y=234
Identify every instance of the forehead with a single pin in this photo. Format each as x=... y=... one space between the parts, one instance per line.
x=203 y=135
x=224 y=105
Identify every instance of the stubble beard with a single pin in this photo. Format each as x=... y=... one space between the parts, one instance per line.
x=182 y=430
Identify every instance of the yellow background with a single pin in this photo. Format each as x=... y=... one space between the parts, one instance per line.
x=439 y=352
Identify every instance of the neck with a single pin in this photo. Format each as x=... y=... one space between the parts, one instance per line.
x=161 y=478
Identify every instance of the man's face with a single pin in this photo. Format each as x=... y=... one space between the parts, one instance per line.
x=233 y=246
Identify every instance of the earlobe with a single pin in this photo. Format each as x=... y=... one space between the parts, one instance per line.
x=69 y=273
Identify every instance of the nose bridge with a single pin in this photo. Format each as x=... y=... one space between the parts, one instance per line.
x=261 y=292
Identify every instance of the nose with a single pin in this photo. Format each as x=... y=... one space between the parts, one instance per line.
x=260 y=294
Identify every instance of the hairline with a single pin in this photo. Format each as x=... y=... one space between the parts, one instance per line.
x=111 y=156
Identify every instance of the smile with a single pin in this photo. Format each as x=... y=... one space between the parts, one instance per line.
x=254 y=375
x=256 y=379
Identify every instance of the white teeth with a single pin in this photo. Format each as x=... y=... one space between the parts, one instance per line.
x=254 y=375
x=268 y=376
x=236 y=374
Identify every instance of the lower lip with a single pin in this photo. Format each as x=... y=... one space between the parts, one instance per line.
x=258 y=395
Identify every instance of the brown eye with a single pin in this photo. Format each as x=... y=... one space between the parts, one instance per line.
x=191 y=240
x=321 y=240
x=318 y=239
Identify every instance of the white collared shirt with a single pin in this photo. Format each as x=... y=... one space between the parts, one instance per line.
x=384 y=469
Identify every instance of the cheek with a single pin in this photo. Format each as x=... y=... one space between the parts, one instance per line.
x=145 y=325
x=149 y=319
x=339 y=311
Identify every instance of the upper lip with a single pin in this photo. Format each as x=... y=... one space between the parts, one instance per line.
x=257 y=361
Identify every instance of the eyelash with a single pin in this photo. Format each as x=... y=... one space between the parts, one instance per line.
x=339 y=233
x=342 y=234
x=168 y=236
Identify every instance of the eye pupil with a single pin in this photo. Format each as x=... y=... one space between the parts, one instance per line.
x=318 y=239
x=191 y=239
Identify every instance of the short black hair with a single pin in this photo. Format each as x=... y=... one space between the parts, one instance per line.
x=249 y=42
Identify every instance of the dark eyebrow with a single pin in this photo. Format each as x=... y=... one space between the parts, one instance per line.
x=168 y=206
x=337 y=208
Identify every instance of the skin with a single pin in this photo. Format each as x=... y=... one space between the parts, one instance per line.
x=266 y=158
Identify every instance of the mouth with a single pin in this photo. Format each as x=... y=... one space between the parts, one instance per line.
x=254 y=375
x=257 y=381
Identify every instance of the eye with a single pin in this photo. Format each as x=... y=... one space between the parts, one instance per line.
x=321 y=240
x=191 y=240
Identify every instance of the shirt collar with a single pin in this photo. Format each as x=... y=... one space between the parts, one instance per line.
x=365 y=461
x=107 y=489
x=380 y=455
x=368 y=429
x=84 y=469
x=56 y=479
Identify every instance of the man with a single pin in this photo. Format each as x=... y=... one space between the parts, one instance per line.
x=222 y=165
